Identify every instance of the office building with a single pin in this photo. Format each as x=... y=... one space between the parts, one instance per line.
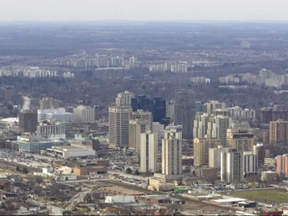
x=84 y=114
x=282 y=165
x=34 y=144
x=278 y=132
x=59 y=114
x=172 y=151
x=156 y=106
x=213 y=105
x=250 y=161
x=142 y=102
x=28 y=121
x=148 y=152
x=240 y=139
x=136 y=128
x=185 y=112
x=231 y=166
x=214 y=156
x=71 y=151
x=159 y=109
x=124 y=99
x=143 y=115
x=170 y=110
x=260 y=151
x=49 y=103
x=119 y=118
x=50 y=129
x=199 y=106
x=201 y=148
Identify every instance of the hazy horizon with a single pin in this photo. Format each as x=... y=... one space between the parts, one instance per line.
x=144 y=10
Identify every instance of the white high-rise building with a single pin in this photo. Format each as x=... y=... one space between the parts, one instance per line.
x=212 y=126
x=214 y=156
x=136 y=128
x=213 y=105
x=231 y=166
x=217 y=128
x=149 y=152
x=237 y=112
x=200 y=125
x=84 y=114
x=172 y=151
x=123 y=99
x=250 y=163
x=119 y=118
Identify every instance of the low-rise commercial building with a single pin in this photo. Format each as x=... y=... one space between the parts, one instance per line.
x=120 y=199
x=83 y=170
x=268 y=176
x=33 y=144
x=67 y=152
x=59 y=114
x=83 y=140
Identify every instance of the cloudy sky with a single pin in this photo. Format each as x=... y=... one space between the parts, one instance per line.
x=143 y=10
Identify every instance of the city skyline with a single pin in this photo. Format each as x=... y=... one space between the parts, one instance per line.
x=148 y=10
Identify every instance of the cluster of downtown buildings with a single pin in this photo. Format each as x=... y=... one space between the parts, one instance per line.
x=50 y=126
x=224 y=145
x=220 y=140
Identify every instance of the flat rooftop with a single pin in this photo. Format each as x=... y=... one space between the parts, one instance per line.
x=68 y=147
x=229 y=200
x=121 y=190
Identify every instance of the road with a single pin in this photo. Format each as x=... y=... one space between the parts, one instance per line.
x=54 y=210
x=77 y=199
x=86 y=180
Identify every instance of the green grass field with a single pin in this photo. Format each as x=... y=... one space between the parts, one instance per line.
x=264 y=196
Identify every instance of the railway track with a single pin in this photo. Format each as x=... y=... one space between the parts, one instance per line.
x=13 y=166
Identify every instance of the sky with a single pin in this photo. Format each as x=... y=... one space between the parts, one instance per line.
x=139 y=10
